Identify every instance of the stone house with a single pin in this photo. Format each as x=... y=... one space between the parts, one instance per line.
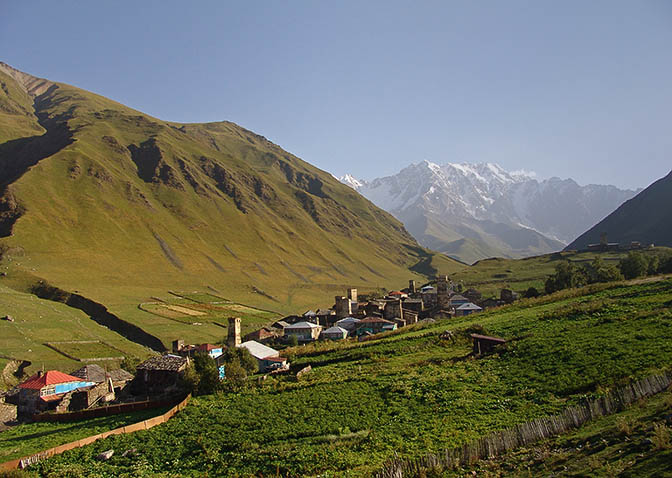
x=159 y=375
x=45 y=390
x=303 y=331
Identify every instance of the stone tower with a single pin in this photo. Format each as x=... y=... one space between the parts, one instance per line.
x=411 y=287
x=352 y=295
x=443 y=292
x=233 y=339
x=343 y=307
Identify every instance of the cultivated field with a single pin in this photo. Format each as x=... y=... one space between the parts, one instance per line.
x=410 y=392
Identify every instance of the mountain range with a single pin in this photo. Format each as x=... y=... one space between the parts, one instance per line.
x=98 y=197
x=475 y=211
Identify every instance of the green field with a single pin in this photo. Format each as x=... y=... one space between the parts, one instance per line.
x=491 y=275
x=634 y=443
x=24 y=440
x=410 y=392
x=83 y=350
x=38 y=321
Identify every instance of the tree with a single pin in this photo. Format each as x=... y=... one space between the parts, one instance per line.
x=531 y=293
x=567 y=275
x=653 y=266
x=293 y=341
x=208 y=374
x=599 y=271
x=634 y=265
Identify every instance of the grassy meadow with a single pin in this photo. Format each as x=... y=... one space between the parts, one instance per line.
x=409 y=392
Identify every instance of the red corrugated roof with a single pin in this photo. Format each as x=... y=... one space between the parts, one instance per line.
x=208 y=347
x=50 y=377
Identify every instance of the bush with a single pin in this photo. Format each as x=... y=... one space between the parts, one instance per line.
x=567 y=275
x=633 y=266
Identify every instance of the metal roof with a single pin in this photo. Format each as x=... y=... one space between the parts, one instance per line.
x=259 y=351
x=469 y=306
x=50 y=377
x=303 y=325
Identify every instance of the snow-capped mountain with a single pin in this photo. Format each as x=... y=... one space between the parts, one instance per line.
x=473 y=211
x=351 y=181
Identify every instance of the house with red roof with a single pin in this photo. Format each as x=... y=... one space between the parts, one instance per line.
x=45 y=390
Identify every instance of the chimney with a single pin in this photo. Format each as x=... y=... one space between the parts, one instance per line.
x=233 y=339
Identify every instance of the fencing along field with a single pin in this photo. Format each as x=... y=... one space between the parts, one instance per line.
x=410 y=393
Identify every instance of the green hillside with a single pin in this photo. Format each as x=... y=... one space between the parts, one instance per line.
x=646 y=218
x=104 y=200
x=409 y=393
x=469 y=240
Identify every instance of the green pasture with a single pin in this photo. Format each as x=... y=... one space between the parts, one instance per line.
x=409 y=392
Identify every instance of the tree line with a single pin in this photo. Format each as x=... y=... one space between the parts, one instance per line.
x=570 y=274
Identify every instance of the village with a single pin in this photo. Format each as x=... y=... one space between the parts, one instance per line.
x=159 y=380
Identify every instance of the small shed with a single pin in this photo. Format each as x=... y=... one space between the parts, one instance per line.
x=484 y=344
x=159 y=374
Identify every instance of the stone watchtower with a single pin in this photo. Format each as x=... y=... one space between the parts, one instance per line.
x=411 y=287
x=352 y=295
x=233 y=339
x=443 y=292
x=343 y=307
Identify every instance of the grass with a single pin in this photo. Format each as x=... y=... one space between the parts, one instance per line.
x=86 y=349
x=411 y=392
x=491 y=275
x=38 y=321
x=634 y=443
x=23 y=440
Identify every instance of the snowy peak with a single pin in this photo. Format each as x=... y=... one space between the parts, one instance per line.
x=351 y=181
x=463 y=196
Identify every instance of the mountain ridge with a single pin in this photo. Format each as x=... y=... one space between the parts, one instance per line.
x=467 y=200
x=101 y=198
x=645 y=218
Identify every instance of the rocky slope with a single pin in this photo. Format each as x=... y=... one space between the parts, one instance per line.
x=98 y=197
x=646 y=218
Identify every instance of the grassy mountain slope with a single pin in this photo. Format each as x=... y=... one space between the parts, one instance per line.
x=469 y=240
x=646 y=218
x=122 y=206
x=409 y=392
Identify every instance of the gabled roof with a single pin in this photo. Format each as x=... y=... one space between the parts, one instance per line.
x=395 y=292
x=168 y=362
x=303 y=325
x=259 y=351
x=335 y=330
x=50 y=377
x=348 y=320
x=96 y=373
x=281 y=324
x=310 y=313
x=91 y=373
x=427 y=288
x=458 y=297
x=469 y=306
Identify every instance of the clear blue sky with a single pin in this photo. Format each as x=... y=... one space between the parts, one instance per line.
x=578 y=89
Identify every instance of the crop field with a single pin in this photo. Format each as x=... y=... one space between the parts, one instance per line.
x=23 y=440
x=86 y=349
x=407 y=393
x=634 y=443
x=38 y=321
x=203 y=307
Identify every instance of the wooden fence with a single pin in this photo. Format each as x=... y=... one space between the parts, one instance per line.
x=526 y=433
x=102 y=411
x=143 y=425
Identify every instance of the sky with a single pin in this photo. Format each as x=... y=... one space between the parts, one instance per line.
x=571 y=89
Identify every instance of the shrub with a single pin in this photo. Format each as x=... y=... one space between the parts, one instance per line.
x=661 y=436
x=634 y=265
